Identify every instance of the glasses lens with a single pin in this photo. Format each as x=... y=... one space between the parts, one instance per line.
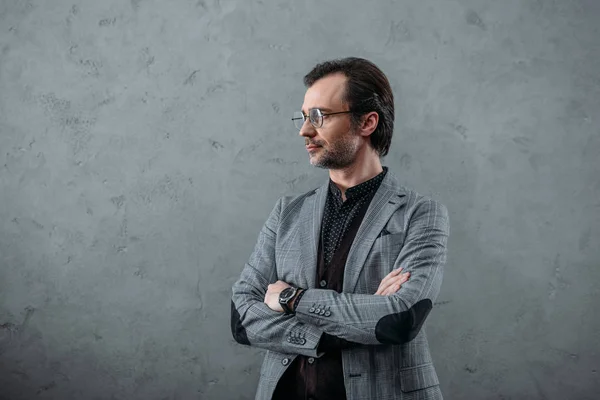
x=298 y=119
x=316 y=117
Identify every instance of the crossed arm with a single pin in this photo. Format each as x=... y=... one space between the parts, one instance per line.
x=352 y=318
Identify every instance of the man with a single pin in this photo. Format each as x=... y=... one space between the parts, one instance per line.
x=342 y=277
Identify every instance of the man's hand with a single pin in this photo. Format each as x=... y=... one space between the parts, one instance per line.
x=392 y=282
x=272 y=295
x=389 y=285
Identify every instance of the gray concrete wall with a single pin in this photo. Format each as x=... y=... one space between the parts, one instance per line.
x=143 y=143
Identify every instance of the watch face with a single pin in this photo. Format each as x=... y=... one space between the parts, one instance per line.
x=286 y=294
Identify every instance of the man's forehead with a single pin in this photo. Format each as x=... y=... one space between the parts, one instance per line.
x=326 y=93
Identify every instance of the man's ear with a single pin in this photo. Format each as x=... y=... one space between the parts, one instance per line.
x=369 y=123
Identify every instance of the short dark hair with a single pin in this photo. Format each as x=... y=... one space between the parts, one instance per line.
x=367 y=89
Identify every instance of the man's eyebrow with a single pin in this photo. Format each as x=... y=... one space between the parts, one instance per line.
x=320 y=108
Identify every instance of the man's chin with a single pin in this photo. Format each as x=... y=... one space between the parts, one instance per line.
x=317 y=164
x=315 y=161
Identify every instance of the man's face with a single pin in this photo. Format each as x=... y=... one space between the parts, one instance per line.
x=337 y=143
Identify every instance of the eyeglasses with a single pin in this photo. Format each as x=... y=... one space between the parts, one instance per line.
x=315 y=116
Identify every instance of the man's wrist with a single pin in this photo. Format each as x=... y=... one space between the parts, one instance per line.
x=286 y=297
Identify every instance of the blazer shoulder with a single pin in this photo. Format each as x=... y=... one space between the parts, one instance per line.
x=419 y=201
x=393 y=183
x=291 y=201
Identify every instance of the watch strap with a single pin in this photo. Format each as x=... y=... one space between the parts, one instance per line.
x=297 y=300
x=285 y=304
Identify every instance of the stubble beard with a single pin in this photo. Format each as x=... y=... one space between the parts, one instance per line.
x=342 y=155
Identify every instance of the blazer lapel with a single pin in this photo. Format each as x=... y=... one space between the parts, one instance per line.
x=310 y=231
x=385 y=202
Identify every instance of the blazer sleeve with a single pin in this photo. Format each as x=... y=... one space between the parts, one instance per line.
x=373 y=319
x=253 y=323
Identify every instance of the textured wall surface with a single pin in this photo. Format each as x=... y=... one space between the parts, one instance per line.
x=143 y=144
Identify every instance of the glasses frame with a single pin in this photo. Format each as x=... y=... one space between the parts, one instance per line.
x=305 y=117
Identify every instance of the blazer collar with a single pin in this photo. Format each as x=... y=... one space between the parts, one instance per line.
x=389 y=196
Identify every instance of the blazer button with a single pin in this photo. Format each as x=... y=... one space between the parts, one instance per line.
x=322 y=312
x=327 y=313
x=285 y=361
x=311 y=360
x=289 y=339
x=317 y=310
x=303 y=341
x=323 y=283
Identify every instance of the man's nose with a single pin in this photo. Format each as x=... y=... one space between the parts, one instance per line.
x=307 y=130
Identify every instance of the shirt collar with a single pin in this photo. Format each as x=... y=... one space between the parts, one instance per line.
x=360 y=190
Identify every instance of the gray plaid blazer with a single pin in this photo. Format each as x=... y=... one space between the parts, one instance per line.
x=400 y=228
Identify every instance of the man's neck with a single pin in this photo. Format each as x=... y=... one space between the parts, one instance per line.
x=355 y=174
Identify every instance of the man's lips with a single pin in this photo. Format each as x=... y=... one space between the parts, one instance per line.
x=312 y=146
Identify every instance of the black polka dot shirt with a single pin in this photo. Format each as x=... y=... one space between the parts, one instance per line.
x=323 y=378
x=339 y=214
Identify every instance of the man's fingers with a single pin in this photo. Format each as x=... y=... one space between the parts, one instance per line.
x=392 y=289
x=383 y=286
x=393 y=273
x=389 y=276
x=387 y=283
x=386 y=287
x=404 y=277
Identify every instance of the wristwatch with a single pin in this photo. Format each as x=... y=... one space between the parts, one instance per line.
x=285 y=296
